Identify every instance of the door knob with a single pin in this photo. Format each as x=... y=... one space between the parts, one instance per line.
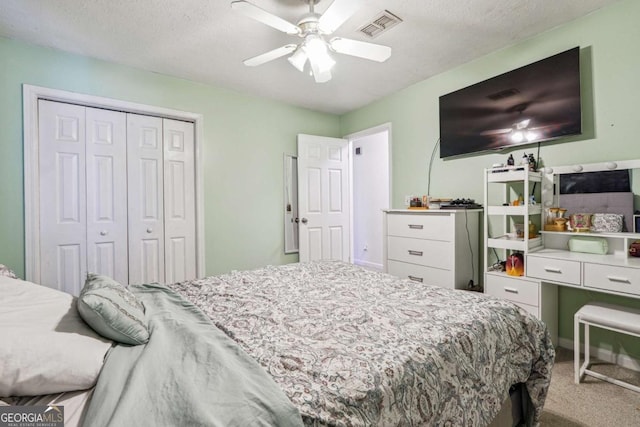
x=104 y=232
x=149 y=230
x=304 y=220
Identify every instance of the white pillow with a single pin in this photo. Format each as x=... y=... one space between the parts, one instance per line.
x=45 y=347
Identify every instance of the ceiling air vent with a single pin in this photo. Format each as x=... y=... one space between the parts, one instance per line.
x=381 y=23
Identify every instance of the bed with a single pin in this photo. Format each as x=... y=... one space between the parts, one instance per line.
x=325 y=343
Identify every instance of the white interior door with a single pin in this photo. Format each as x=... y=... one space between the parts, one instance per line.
x=63 y=225
x=323 y=198
x=179 y=201
x=106 y=162
x=145 y=197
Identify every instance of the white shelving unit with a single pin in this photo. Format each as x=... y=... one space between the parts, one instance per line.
x=508 y=183
x=501 y=187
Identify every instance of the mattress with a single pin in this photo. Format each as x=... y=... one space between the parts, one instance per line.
x=355 y=347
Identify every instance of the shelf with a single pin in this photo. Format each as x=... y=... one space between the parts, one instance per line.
x=514 y=210
x=506 y=242
x=507 y=174
x=598 y=234
x=497 y=273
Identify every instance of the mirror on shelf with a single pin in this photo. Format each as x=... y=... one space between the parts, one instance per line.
x=290 y=204
x=605 y=187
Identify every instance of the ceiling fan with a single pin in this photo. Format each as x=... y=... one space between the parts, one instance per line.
x=311 y=28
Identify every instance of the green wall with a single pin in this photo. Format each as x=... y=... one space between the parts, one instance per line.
x=610 y=61
x=244 y=141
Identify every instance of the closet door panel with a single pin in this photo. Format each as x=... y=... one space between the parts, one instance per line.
x=179 y=201
x=107 y=243
x=146 y=199
x=62 y=196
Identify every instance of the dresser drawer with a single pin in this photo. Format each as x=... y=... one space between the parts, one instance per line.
x=437 y=226
x=431 y=253
x=513 y=289
x=553 y=269
x=421 y=274
x=612 y=278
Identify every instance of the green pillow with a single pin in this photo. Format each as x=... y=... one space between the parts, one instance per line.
x=112 y=310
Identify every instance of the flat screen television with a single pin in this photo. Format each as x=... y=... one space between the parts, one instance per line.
x=537 y=102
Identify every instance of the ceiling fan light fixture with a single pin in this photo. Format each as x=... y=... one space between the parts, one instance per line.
x=320 y=76
x=316 y=49
x=298 y=59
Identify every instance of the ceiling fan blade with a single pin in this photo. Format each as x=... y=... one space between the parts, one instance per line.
x=373 y=52
x=261 y=15
x=337 y=14
x=270 y=56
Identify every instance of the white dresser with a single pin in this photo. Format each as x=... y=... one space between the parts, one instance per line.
x=434 y=246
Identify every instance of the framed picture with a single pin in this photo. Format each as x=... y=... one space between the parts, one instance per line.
x=636 y=223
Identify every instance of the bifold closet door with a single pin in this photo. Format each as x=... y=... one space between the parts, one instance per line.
x=106 y=151
x=179 y=201
x=146 y=199
x=83 y=207
x=161 y=165
x=63 y=223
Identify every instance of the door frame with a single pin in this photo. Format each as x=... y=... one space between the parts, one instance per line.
x=30 y=97
x=357 y=135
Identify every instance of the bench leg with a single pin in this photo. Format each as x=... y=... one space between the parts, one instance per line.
x=576 y=351
x=587 y=356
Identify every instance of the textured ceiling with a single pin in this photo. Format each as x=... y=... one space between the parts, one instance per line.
x=206 y=41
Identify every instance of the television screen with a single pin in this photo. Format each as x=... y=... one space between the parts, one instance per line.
x=537 y=102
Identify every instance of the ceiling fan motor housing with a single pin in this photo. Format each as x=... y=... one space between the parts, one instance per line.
x=309 y=24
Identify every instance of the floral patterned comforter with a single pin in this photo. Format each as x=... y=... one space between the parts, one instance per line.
x=352 y=347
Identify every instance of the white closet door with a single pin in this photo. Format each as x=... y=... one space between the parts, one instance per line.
x=145 y=195
x=179 y=201
x=107 y=193
x=62 y=196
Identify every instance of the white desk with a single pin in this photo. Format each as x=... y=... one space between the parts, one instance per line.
x=614 y=273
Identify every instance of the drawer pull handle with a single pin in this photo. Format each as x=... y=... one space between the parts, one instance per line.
x=416 y=226
x=511 y=290
x=618 y=279
x=416 y=253
x=416 y=279
x=552 y=270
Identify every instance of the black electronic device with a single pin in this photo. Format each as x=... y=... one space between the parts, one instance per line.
x=537 y=102
x=462 y=204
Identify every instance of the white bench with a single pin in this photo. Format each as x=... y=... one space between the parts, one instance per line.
x=607 y=316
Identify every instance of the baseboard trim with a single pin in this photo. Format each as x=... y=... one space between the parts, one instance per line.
x=368 y=264
x=605 y=355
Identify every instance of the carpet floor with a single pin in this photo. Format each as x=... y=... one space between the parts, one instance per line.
x=592 y=403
